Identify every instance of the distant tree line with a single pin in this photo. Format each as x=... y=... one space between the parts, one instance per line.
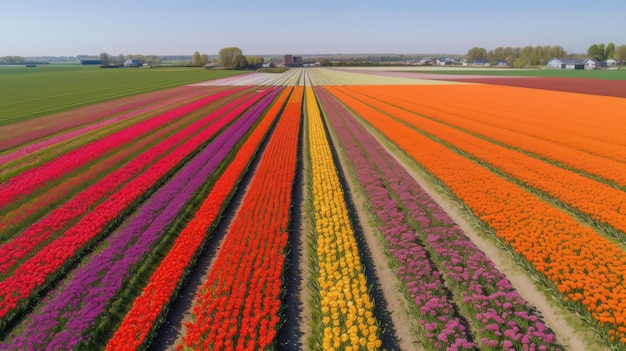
x=112 y=60
x=233 y=58
x=517 y=57
x=16 y=60
x=198 y=59
x=540 y=55
x=603 y=52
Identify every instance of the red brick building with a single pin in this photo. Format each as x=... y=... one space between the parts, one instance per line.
x=292 y=61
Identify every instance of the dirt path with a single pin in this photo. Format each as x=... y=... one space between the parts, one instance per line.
x=571 y=332
x=306 y=226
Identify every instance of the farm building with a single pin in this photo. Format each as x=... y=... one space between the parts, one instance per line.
x=292 y=61
x=132 y=63
x=444 y=61
x=501 y=63
x=591 y=63
x=563 y=63
x=481 y=62
x=90 y=62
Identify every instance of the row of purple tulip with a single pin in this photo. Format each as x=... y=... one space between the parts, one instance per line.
x=423 y=283
x=68 y=312
x=419 y=233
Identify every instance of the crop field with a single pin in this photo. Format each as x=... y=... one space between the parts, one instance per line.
x=315 y=209
x=46 y=89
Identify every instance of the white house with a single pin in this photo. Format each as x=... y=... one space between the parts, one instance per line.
x=444 y=61
x=480 y=62
x=611 y=63
x=591 y=63
x=563 y=63
x=501 y=63
x=131 y=63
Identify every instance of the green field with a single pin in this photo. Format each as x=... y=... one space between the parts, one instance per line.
x=37 y=91
x=543 y=72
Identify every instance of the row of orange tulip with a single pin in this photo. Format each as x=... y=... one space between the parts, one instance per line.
x=238 y=305
x=585 y=267
x=599 y=201
x=591 y=145
x=583 y=122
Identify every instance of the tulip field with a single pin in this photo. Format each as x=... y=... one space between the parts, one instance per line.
x=318 y=209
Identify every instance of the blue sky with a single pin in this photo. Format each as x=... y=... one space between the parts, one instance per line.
x=70 y=27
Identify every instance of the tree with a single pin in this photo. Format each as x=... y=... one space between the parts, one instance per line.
x=609 y=52
x=255 y=61
x=556 y=51
x=139 y=57
x=196 y=59
x=239 y=62
x=205 y=59
x=519 y=63
x=476 y=53
x=596 y=52
x=231 y=57
x=526 y=54
x=499 y=54
x=512 y=54
x=12 y=59
x=325 y=62
x=105 y=59
x=152 y=59
x=620 y=54
x=601 y=51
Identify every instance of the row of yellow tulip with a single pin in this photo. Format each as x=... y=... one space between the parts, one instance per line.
x=348 y=320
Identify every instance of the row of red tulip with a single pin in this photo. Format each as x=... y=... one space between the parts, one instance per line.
x=238 y=305
x=26 y=182
x=165 y=281
x=36 y=270
x=34 y=206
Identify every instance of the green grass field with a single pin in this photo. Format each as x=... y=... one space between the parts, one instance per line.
x=557 y=73
x=37 y=91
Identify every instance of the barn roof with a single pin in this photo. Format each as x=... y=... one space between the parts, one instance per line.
x=568 y=61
